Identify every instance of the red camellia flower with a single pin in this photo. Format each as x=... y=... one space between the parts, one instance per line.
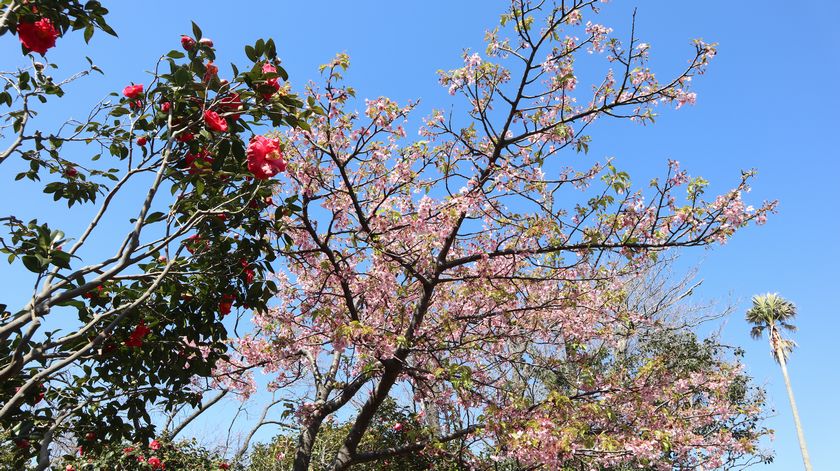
x=226 y=304
x=268 y=67
x=38 y=36
x=71 y=172
x=210 y=71
x=90 y=436
x=69 y=467
x=127 y=450
x=199 y=163
x=398 y=426
x=272 y=82
x=265 y=159
x=142 y=140
x=231 y=103
x=185 y=137
x=154 y=445
x=93 y=294
x=136 y=337
x=224 y=466
x=215 y=122
x=206 y=42
x=39 y=396
x=133 y=91
x=165 y=106
x=195 y=242
x=247 y=271
x=187 y=42
x=156 y=463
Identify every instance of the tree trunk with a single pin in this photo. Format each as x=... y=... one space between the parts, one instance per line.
x=802 y=447
x=347 y=451
x=306 y=441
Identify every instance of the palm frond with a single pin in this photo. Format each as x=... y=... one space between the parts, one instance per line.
x=788 y=326
x=770 y=309
x=786 y=346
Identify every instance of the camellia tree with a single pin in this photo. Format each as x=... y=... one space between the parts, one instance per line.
x=110 y=333
x=450 y=270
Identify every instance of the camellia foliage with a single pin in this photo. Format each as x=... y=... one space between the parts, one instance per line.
x=157 y=454
x=459 y=299
x=101 y=342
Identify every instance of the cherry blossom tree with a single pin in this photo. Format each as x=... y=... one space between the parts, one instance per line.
x=454 y=269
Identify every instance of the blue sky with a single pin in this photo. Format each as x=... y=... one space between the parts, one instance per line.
x=767 y=102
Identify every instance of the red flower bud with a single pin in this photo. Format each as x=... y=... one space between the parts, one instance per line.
x=93 y=294
x=207 y=42
x=165 y=106
x=194 y=243
x=141 y=141
x=187 y=42
x=210 y=71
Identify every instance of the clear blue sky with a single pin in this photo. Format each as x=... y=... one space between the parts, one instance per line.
x=768 y=102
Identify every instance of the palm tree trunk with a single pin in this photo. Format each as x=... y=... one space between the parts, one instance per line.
x=802 y=447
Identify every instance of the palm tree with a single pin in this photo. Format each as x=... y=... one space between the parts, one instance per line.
x=773 y=313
